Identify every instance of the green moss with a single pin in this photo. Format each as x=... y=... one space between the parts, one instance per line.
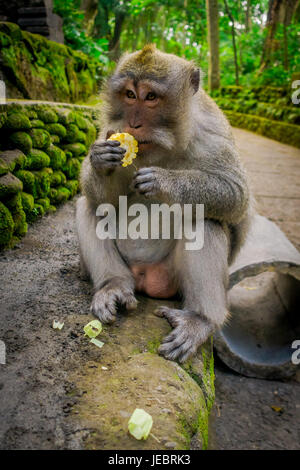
x=55 y=139
x=57 y=157
x=32 y=215
x=14 y=203
x=47 y=115
x=40 y=138
x=72 y=186
x=6 y=225
x=4 y=168
x=66 y=116
x=152 y=346
x=21 y=140
x=21 y=226
x=5 y=40
x=28 y=180
x=91 y=135
x=3 y=117
x=27 y=202
x=59 y=195
x=56 y=129
x=17 y=121
x=37 y=159
x=32 y=114
x=9 y=184
x=73 y=134
x=37 y=124
x=15 y=159
x=286 y=133
x=76 y=149
x=42 y=183
x=81 y=122
x=45 y=202
x=40 y=210
x=72 y=168
x=58 y=178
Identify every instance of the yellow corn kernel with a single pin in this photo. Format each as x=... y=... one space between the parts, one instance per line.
x=128 y=142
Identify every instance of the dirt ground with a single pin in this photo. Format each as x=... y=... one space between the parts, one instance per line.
x=40 y=281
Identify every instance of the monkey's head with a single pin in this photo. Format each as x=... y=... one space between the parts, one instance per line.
x=150 y=96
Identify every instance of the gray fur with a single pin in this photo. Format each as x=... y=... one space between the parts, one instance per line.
x=196 y=161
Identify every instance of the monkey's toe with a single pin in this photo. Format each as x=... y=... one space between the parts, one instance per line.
x=106 y=301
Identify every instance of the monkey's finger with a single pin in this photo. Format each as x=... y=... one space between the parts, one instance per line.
x=143 y=171
x=170 y=314
x=103 y=143
x=110 y=156
x=143 y=178
x=108 y=149
x=144 y=187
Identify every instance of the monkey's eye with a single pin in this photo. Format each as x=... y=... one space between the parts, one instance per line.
x=130 y=94
x=151 y=96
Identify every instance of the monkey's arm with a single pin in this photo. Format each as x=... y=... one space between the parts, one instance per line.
x=219 y=183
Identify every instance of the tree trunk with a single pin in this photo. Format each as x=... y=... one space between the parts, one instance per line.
x=114 y=44
x=236 y=65
x=279 y=12
x=212 y=12
x=248 y=16
x=90 y=8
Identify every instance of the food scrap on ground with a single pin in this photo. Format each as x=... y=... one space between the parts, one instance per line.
x=97 y=342
x=56 y=325
x=140 y=424
x=93 y=328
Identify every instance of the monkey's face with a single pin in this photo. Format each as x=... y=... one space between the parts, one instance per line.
x=140 y=107
x=142 y=104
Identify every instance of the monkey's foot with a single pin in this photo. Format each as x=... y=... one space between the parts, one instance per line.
x=106 y=300
x=191 y=329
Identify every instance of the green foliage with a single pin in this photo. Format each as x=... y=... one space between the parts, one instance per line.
x=74 y=33
x=180 y=27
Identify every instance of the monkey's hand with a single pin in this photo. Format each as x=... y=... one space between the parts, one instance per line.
x=106 y=154
x=190 y=331
x=107 y=300
x=147 y=181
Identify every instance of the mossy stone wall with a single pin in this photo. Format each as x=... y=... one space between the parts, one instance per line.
x=42 y=147
x=267 y=111
x=35 y=68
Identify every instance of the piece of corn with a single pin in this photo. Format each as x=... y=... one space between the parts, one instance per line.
x=128 y=142
x=140 y=424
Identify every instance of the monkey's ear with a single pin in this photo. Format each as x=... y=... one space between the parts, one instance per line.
x=195 y=80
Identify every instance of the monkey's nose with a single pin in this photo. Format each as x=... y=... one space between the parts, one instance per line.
x=135 y=126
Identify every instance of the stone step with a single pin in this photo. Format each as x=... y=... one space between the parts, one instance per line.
x=32 y=11
x=32 y=22
x=43 y=30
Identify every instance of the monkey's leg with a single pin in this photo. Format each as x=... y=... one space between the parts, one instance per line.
x=112 y=279
x=203 y=279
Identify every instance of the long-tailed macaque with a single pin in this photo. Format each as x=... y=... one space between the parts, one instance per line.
x=186 y=155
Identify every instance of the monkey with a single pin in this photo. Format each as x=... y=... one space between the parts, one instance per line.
x=187 y=155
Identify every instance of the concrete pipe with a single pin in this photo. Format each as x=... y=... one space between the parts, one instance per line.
x=261 y=336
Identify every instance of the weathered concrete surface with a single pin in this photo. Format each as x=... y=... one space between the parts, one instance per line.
x=54 y=393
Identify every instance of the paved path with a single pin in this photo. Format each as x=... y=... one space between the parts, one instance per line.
x=40 y=280
x=243 y=415
x=274 y=173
